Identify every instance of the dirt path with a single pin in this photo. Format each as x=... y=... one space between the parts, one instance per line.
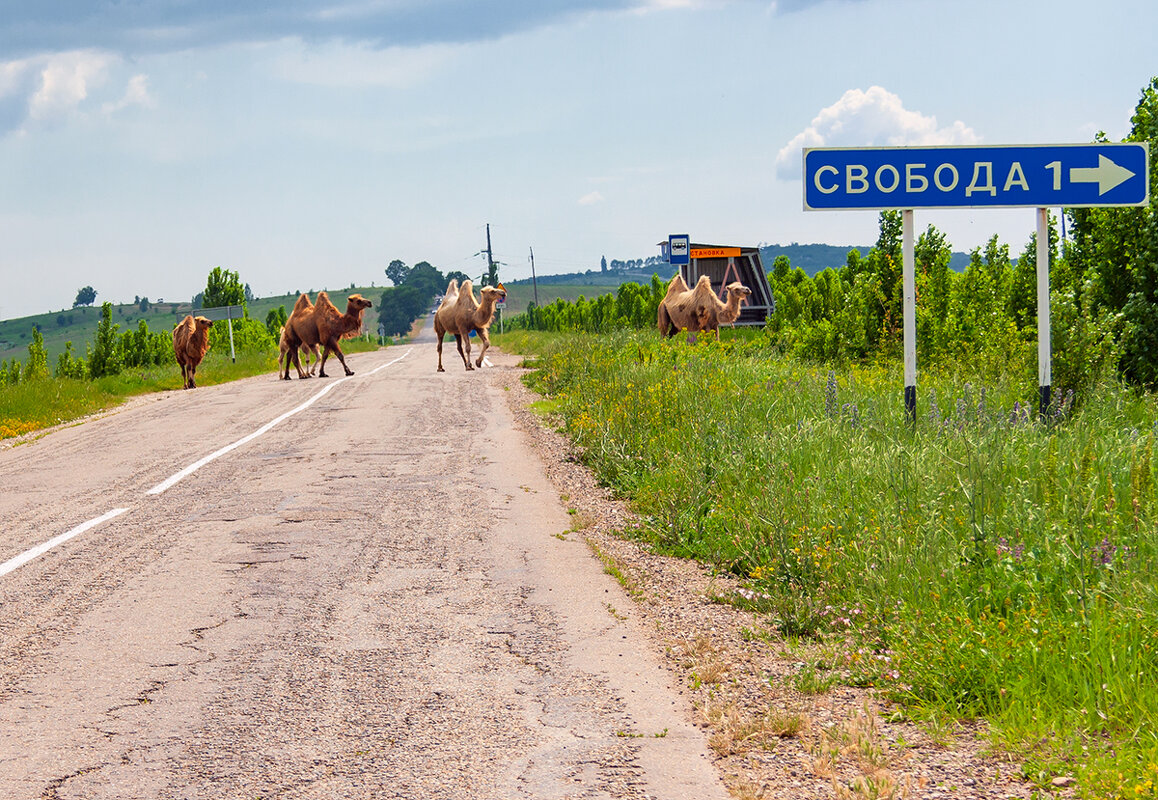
x=376 y=596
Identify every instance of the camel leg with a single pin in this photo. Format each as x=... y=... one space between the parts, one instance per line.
x=486 y=343
x=336 y=351
x=192 y=372
x=458 y=337
x=293 y=357
x=439 y=334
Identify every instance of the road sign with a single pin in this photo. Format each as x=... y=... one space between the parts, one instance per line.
x=679 y=249
x=502 y=300
x=1004 y=176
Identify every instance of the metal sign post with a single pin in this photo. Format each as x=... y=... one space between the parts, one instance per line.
x=1100 y=174
x=227 y=313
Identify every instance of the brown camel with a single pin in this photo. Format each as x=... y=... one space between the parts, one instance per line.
x=306 y=353
x=190 y=343
x=322 y=324
x=698 y=309
x=469 y=314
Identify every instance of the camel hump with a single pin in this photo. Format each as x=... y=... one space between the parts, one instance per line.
x=303 y=304
x=452 y=287
x=323 y=301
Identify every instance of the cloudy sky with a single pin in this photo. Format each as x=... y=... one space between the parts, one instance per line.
x=307 y=143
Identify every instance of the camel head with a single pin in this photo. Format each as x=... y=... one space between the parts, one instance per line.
x=493 y=293
x=356 y=304
x=737 y=289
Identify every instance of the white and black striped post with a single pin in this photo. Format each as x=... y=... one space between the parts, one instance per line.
x=1044 y=376
x=909 y=286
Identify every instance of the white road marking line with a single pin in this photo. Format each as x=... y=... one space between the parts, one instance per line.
x=40 y=550
x=487 y=361
x=189 y=470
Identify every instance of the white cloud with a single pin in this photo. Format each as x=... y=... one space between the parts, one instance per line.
x=65 y=81
x=136 y=94
x=873 y=118
x=590 y=199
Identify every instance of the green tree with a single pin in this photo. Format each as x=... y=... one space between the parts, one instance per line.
x=399 y=306
x=85 y=297
x=105 y=357
x=224 y=288
x=1140 y=339
x=37 y=358
x=397 y=272
x=1115 y=253
x=275 y=320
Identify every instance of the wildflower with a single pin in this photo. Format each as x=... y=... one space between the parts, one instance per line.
x=934 y=409
x=830 y=394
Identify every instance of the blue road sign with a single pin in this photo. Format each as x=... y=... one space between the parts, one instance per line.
x=679 y=249
x=1005 y=176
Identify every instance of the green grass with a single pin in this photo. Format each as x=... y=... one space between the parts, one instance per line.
x=976 y=564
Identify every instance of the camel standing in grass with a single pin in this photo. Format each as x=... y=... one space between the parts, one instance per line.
x=711 y=310
x=676 y=310
x=466 y=315
x=698 y=309
x=322 y=324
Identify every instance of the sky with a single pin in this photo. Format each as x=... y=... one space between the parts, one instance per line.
x=305 y=144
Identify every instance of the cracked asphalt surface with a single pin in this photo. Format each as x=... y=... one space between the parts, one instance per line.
x=374 y=598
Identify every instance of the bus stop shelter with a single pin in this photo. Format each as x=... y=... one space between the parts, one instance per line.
x=724 y=264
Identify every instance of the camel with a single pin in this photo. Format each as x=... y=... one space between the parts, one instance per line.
x=322 y=324
x=698 y=309
x=711 y=310
x=306 y=353
x=677 y=297
x=190 y=343
x=444 y=320
x=467 y=314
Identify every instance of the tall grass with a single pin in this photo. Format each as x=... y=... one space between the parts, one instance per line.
x=978 y=563
x=33 y=405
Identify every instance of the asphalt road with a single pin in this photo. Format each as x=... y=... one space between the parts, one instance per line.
x=323 y=588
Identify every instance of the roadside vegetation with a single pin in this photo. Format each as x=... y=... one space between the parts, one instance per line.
x=982 y=561
x=978 y=563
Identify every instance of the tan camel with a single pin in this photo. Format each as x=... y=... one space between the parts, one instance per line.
x=676 y=309
x=711 y=310
x=463 y=314
x=444 y=320
x=322 y=324
x=698 y=309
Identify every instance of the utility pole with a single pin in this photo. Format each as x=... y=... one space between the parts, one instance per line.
x=492 y=278
x=534 y=283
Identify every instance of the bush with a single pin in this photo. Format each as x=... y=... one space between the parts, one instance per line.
x=249 y=336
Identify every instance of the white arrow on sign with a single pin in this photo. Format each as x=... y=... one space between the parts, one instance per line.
x=1107 y=174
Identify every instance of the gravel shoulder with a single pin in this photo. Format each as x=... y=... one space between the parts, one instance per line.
x=769 y=740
